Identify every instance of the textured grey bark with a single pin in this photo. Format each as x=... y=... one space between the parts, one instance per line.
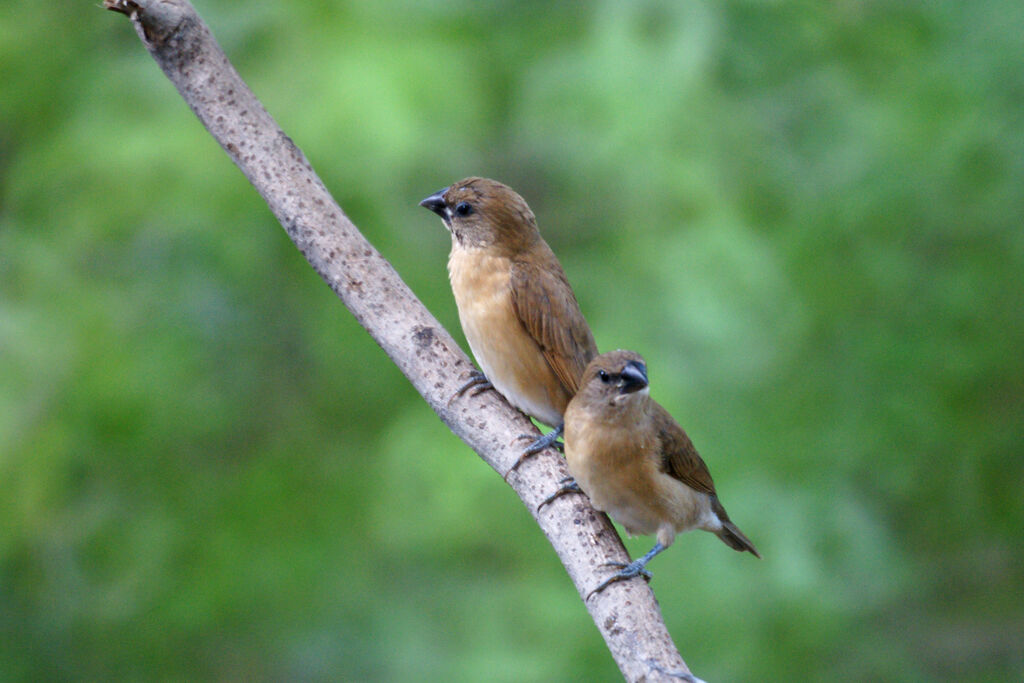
x=626 y=613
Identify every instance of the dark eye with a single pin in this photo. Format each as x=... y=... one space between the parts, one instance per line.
x=605 y=377
x=463 y=208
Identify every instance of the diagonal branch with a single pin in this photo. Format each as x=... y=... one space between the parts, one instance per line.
x=626 y=614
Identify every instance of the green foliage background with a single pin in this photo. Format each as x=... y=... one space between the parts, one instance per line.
x=807 y=216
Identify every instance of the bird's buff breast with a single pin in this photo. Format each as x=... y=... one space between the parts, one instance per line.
x=506 y=353
x=621 y=475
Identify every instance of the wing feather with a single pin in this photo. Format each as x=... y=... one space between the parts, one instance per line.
x=679 y=458
x=545 y=304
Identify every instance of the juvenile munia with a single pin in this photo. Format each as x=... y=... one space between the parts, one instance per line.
x=637 y=464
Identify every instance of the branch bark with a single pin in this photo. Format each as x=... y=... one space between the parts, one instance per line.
x=626 y=613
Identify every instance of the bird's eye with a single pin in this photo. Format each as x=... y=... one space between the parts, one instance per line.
x=605 y=377
x=463 y=208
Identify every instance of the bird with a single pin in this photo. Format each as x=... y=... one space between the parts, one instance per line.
x=516 y=306
x=635 y=462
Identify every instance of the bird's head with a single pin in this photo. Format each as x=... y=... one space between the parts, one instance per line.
x=617 y=378
x=484 y=213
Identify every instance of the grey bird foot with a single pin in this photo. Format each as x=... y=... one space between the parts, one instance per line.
x=477 y=382
x=566 y=486
x=626 y=571
x=541 y=442
x=537 y=445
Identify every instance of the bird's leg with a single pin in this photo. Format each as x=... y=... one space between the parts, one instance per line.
x=628 y=571
x=542 y=442
x=566 y=486
x=477 y=381
x=681 y=675
x=537 y=445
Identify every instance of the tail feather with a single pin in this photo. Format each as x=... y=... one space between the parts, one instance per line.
x=730 y=533
x=736 y=540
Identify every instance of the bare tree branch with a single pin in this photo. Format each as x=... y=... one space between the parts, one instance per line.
x=626 y=614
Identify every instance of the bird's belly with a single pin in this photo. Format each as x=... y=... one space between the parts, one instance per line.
x=622 y=497
x=635 y=492
x=507 y=354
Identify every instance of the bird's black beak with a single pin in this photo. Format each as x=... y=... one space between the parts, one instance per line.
x=435 y=203
x=634 y=377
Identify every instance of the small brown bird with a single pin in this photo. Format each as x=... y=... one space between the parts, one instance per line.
x=515 y=304
x=637 y=464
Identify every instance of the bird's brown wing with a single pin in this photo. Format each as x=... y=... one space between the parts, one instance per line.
x=546 y=305
x=679 y=458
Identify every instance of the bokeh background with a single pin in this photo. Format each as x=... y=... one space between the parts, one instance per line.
x=807 y=216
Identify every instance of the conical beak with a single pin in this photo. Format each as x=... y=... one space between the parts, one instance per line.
x=634 y=377
x=435 y=203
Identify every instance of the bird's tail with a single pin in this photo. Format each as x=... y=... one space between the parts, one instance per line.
x=736 y=540
x=730 y=533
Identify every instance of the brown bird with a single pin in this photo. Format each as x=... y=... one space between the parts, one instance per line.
x=637 y=464
x=516 y=307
